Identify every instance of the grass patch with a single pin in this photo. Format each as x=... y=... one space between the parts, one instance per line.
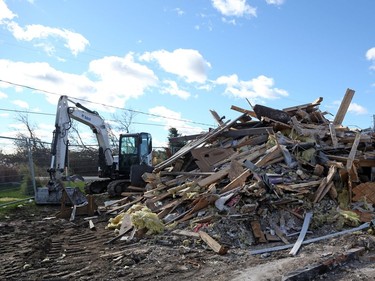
x=13 y=194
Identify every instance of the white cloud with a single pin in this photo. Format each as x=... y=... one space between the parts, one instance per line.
x=370 y=54
x=3 y=96
x=173 y=89
x=186 y=63
x=5 y=13
x=75 y=42
x=179 y=11
x=121 y=78
x=237 y=8
x=40 y=34
x=21 y=103
x=110 y=80
x=275 y=2
x=232 y=21
x=261 y=87
x=357 y=109
x=173 y=119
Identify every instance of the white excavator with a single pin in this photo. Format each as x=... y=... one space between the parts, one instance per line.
x=117 y=172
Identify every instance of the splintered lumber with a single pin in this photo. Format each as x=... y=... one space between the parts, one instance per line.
x=123 y=207
x=273 y=155
x=325 y=185
x=214 y=177
x=304 y=106
x=187 y=233
x=126 y=224
x=248 y=132
x=332 y=131
x=208 y=157
x=195 y=143
x=353 y=151
x=340 y=115
x=257 y=231
x=302 y=234
x=239 y=181
x=212 y=243
x=216 y=116
x=248 y=112
x=236 y=169
x=278 y=232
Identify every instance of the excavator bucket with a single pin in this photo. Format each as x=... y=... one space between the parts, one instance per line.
x=52 y=194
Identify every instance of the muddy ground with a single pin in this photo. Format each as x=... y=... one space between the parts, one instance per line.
x=34 y=245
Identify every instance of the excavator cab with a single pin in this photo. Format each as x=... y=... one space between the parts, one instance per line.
x=135 y=156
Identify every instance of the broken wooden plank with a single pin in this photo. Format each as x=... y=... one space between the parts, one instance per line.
x=325 y=185
x=340 y=115
x=216 y=116
x=239 y=181
x=302 y=234
x=304 y=106
x=183 y=232
x=91 y=225
x=248 y=112
x=189 y=146
x=271 y=154
x=353 y=151
x=332 y=131
x=248 y=132
x=207 y=157
x=257 y=231
x=126 y=224
x=214 y=177
x=212 y=243
x=125 y=206
x=297 y=186
x=279 y=233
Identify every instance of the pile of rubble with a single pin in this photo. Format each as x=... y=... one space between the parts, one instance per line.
x=267 y=176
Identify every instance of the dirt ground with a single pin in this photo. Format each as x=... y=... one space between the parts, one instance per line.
x=34 y=245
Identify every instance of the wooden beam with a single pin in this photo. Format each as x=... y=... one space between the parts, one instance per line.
x=214 y=177
x=340 y=115
x=212 y=243
x=217 y=117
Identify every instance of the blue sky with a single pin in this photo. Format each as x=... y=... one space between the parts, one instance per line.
x=174 y=61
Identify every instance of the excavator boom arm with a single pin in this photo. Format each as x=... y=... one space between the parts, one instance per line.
x=83 y=115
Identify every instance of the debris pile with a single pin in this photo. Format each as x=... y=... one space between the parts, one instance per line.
x=253 y=180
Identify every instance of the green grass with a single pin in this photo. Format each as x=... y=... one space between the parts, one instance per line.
x=12 y=194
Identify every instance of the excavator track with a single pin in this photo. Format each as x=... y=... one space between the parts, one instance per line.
x=97 y=187
x=115 y=187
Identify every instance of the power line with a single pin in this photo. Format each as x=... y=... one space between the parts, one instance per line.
x=102 y=104
x=51 y=114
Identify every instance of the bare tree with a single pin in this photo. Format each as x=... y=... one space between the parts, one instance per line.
x=124 y=121
x=31 y=128
x=75 y=136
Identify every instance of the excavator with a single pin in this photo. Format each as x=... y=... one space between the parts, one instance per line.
x=116 y=172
